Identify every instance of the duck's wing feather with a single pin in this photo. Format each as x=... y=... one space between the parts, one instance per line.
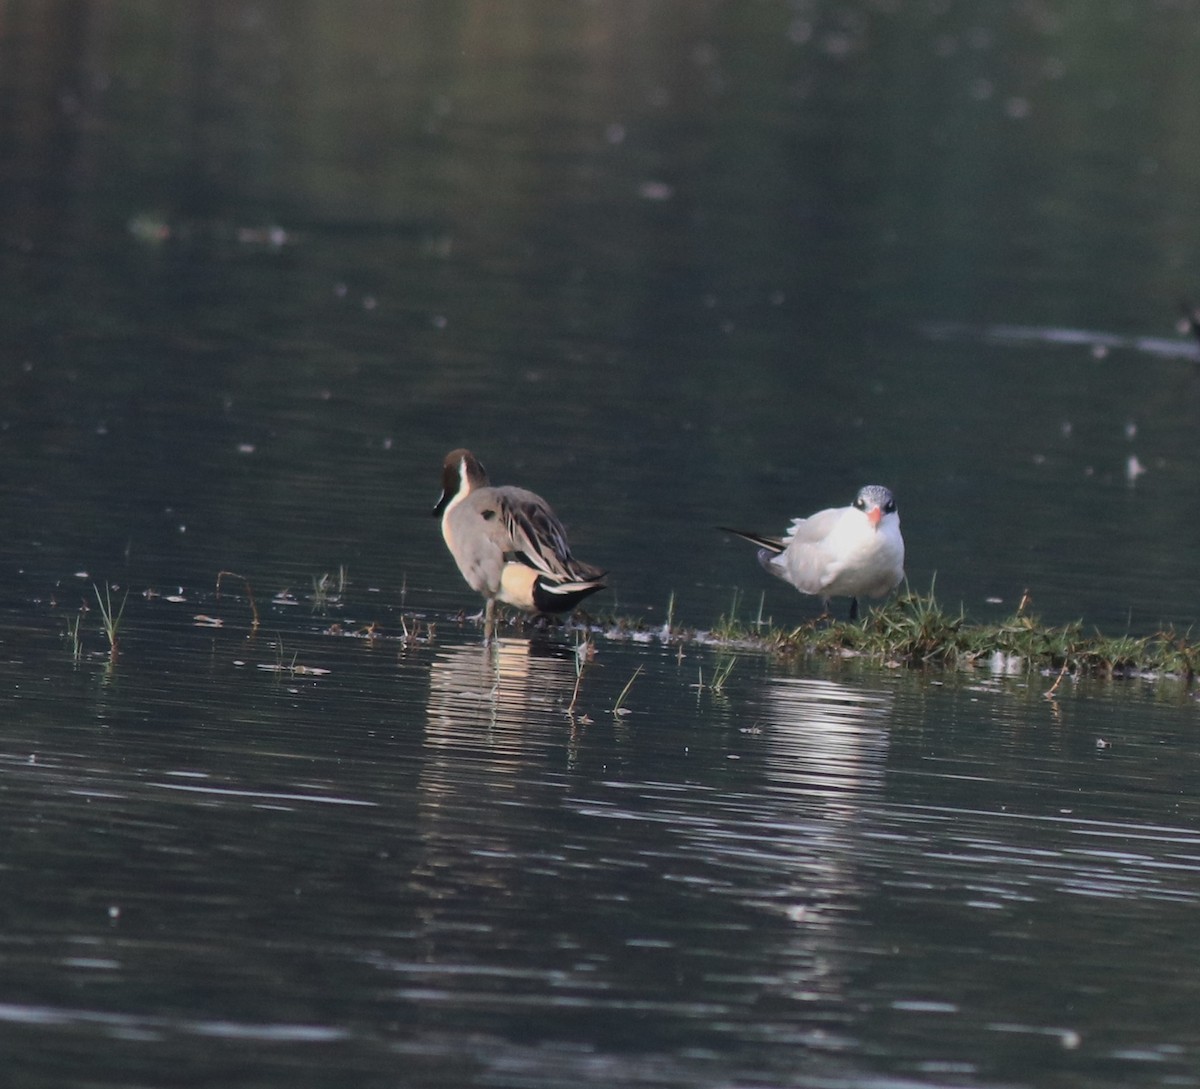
x=537 y=537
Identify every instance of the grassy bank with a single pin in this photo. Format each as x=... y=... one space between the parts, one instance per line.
x=909 y=629
x=915 y=629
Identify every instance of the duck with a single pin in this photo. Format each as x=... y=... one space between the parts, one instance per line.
x=855 y=551
x=509 y=544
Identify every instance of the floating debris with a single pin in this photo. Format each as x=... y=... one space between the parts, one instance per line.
x=296 y=670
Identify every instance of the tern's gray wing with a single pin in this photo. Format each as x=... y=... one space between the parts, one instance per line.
x=816 y=527
x=808 y=566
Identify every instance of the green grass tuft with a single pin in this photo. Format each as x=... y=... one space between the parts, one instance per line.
x=110 y=618
x=914 y=629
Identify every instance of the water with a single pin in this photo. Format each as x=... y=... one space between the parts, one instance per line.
x=415 y=869
x=673 y=266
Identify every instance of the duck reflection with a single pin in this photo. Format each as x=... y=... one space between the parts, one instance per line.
x=500 y=687
x=487 y=791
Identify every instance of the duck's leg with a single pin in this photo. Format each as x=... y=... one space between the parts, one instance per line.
x=853 y=608
x=489 y=620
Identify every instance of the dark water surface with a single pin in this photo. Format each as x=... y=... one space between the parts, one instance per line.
x=415 y=869
x=673 y=265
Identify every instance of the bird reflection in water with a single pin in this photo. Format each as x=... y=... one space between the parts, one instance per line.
x=496 y=733
x=498 y=688
x=823 y=763
x=826 y=741
x=825 y=754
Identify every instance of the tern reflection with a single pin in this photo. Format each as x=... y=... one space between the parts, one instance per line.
x=823 y=760
x=826 y=741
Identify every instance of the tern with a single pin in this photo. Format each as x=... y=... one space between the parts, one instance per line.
x=853 y=552
x=508 y=543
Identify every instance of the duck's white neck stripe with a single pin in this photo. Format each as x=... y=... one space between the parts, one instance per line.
x=464 y=489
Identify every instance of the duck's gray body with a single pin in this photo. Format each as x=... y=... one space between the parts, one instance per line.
x=508 y=543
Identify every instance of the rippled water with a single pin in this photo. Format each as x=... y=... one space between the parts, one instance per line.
x=411 y=866
x=675 y=266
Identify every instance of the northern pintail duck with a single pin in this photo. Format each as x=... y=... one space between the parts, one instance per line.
x=508 y=543
x=854 y=551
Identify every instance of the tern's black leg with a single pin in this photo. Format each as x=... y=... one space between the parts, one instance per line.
x=854 y=608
